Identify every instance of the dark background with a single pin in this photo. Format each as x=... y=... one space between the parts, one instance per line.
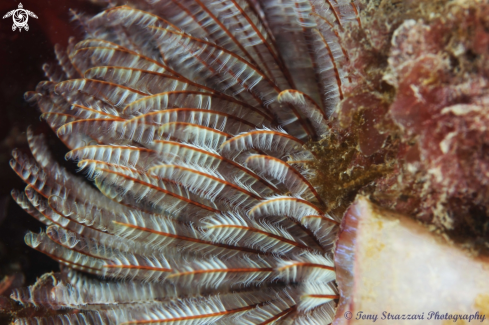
x=22 y=55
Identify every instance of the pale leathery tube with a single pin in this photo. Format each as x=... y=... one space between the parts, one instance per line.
x=190 y=118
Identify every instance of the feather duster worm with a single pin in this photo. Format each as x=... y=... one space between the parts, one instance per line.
x=190 y=117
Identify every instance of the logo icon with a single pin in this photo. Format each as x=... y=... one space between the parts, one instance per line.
x=20 y=17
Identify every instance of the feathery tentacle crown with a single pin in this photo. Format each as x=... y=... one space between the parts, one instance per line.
x=190 y=118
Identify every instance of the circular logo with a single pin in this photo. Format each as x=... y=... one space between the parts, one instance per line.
x=348 y=315
x=20 y=17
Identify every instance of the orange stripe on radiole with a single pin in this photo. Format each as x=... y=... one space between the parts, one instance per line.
x=241 y=270
x=159 y=189
x=288 y=241
x=195 y=240
x=306 y=265
x=151 y=268
x=323 y=296
x=284 y=313
x=176 y=319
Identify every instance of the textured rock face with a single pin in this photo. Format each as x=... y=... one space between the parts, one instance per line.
x=389 y=264
x=413 y=125
x=440 y=103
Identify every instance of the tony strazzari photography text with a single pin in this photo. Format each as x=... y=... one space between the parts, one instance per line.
x=432 y=315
